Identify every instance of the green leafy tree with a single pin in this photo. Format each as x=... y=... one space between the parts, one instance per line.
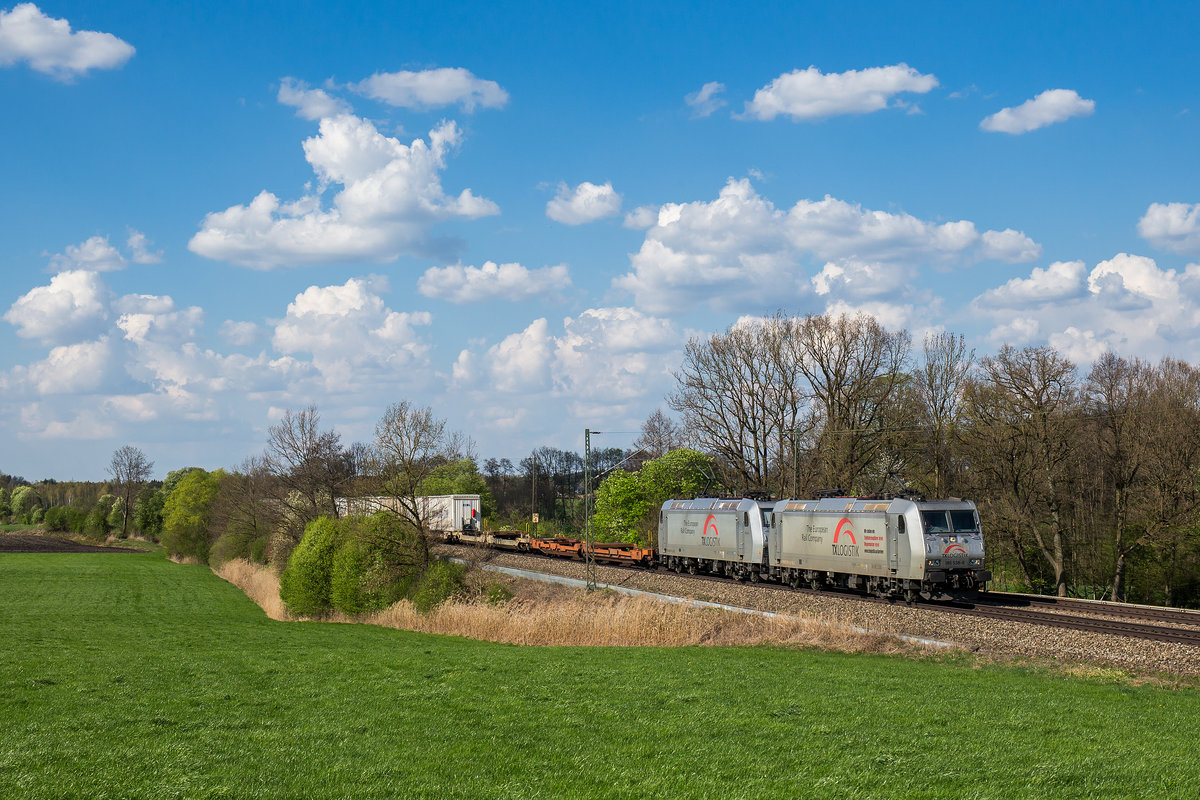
x=24 y=500
x=5 y=504
x=148 y=510
x=186 y=514
x=627 y=503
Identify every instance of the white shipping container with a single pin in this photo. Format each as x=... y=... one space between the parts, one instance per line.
x=446 y=513
x=450 y=513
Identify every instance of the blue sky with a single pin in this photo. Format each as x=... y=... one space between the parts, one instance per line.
x=519 y=215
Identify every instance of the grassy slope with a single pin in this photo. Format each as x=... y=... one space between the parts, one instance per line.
x=128 y=676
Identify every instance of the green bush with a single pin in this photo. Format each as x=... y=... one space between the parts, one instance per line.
x=56 y=519
x=350 y=589
x=65 y=519
x=306 y=583
x=95 y=525
x=443 y=580
x=375 y=566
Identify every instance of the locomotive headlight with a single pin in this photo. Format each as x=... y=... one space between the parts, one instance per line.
x=975 y=562
x=935 y=562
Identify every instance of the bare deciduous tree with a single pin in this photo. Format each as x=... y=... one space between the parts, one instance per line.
x=741 y=397
x=660 y=435
x=129 y=469
x=853 y=366
x=1024 y=424
x=410 y=442
x=938 y=388
x=244 y=516
x=308 y=465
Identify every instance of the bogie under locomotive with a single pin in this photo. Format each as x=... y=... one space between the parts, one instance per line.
x=889 y=547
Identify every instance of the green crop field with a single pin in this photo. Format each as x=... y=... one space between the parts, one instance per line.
x=124 y=675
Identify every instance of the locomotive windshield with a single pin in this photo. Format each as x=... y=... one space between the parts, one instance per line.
x=961 y=521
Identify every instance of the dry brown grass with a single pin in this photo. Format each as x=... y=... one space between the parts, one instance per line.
x=260 y=584
x=620 y=620
x=548 y=615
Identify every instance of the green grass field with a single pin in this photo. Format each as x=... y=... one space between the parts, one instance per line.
x=124 y=675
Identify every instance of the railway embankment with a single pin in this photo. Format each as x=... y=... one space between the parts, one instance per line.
x=997 y=638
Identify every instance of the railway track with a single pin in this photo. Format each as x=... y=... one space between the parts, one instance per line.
x=1090 y=624
x=1176 y=616
x=1139 y=622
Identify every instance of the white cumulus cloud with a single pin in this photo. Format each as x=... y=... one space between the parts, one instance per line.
x=587 y=202
x=310 y=103
x=492 y=281
x=49 y=45
x=811 y=94
x=351 y=334
x=95 y=255
x=1059 y=281
x=391 y=197
x=1174 y=227
x=433 y=88
x=74 y=306
x=1049 y=107
x=1127 y=304
x=72 y=368
x=740 y=246
x=518 y=363
x=602 y=362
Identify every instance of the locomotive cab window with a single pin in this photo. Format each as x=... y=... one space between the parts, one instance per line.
x=935 y=521
x=964 y=521
x=900 y=524
x=746 y=518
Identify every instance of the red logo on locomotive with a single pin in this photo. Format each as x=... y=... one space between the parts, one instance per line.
x=711 y=521
x=844 y=527
x=955 y=549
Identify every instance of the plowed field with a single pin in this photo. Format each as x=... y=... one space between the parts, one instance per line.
x=29 y=543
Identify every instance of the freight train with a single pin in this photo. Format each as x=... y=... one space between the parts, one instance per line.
x=889 y=547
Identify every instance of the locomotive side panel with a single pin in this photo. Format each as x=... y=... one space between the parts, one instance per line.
x=847 y=543
x=713 y=532
x=701 y=533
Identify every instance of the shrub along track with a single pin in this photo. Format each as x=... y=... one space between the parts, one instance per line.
x=1007 y=633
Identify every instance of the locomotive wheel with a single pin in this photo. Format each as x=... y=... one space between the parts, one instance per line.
x=755 y=577
x=814 y=584
x=691 y=569
x=910 y=596
x=795 y=582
